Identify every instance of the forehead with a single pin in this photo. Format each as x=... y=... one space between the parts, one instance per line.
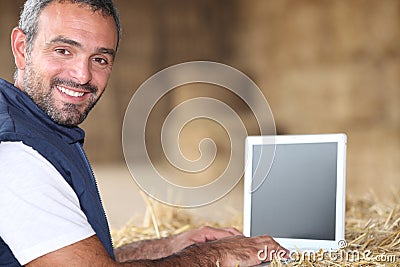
x=78 y=22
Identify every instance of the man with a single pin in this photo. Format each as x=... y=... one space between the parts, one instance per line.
x=51 y=214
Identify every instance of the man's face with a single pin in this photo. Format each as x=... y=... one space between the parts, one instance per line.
x=70 y=61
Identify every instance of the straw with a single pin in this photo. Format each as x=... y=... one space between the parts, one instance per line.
x=372 y=228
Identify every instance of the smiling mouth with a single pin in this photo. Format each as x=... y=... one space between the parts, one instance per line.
x=69 y=91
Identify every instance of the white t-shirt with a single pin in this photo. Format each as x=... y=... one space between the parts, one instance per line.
x=39 y=211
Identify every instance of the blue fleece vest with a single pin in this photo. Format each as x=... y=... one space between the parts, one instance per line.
x=22 y=120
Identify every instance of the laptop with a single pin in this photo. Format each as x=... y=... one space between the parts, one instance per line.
x=294 y=190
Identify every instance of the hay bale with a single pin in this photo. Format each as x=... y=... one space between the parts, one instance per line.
x=372 y=232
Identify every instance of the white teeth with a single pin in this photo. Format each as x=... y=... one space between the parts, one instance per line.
x=70 y=92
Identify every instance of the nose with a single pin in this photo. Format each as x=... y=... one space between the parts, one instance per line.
x=81 y=71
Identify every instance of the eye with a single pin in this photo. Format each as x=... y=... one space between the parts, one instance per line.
x=63 y=51
x=101 y=61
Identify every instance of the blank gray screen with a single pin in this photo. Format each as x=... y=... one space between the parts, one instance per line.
x=298 y=196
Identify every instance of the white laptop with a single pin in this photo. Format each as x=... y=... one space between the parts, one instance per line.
x=294 y=190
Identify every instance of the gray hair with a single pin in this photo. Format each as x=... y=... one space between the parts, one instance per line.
x=29 y=18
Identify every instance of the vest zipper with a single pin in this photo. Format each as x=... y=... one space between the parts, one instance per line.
x=88 y=166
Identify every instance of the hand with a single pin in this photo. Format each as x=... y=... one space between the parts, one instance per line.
x=200 y=235
x=234 y=251
x=160 y=248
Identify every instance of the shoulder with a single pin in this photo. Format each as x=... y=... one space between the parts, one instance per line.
x=24 y=170
x=38 y=205
x=18 y=157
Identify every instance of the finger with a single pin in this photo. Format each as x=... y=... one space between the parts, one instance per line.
x=233 y=231
x=218 y=233
x=273 y=245
x=285 y=253
x=207 y=233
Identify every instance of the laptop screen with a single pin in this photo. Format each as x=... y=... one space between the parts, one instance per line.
x=297 y=197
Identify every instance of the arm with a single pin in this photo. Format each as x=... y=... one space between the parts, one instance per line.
x=228 y=251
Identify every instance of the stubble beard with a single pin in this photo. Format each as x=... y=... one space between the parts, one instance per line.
x=43 y=95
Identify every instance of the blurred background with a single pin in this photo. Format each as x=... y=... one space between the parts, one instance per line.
x=323 y=66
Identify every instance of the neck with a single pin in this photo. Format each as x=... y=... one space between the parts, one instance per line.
x=19 y=81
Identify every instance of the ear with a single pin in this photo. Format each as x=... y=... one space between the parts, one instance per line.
x=18 y=46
